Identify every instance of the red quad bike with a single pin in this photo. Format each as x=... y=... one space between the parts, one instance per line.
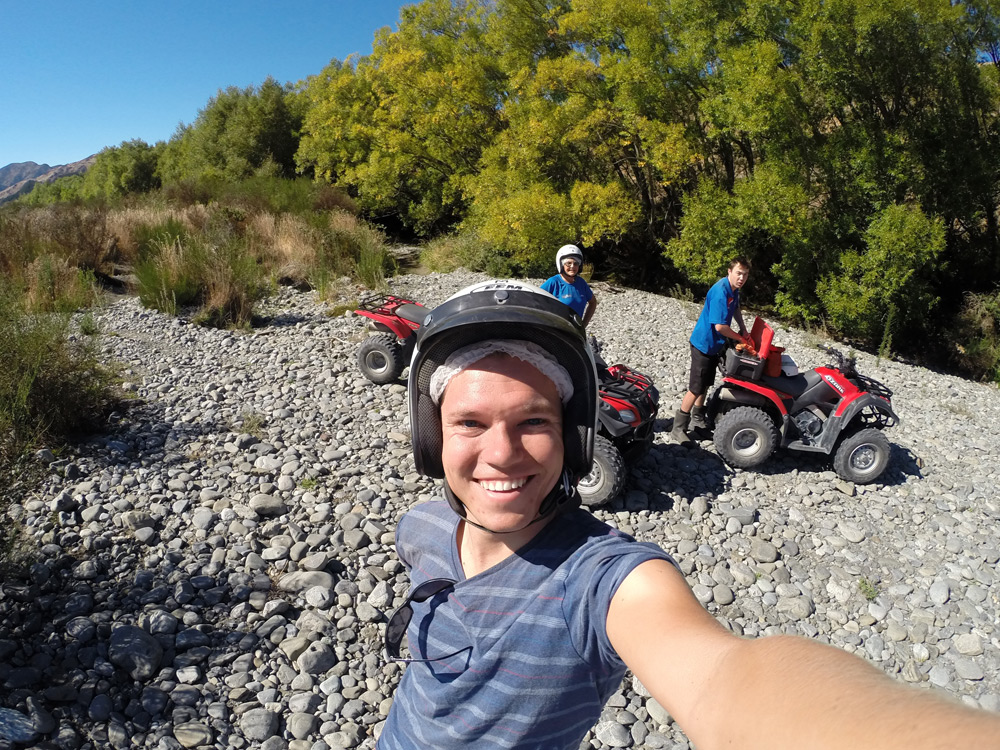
x=629 y=400
x=395 y=322
x=763 y=401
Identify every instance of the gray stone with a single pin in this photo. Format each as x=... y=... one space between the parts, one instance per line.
x=796 y=607
x=659 y=715
x=16 y=727
x=317 y=659
x=268 y=506
x=301 y=725
x=193 y=734
x=763 y=551
x=940 y=592
x=613 y=734
x=135 y=651
x=967 y=669
x=968 y=644
x=302 y=580
x=259 y=724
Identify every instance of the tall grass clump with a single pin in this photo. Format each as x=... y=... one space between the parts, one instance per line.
x=288 y=245
x=50 y=386
x=51 y=284
x=167 y=275
x=352 y=247
x=224 y=281
x=233 y=284
x=78 y=233
x=451 y=252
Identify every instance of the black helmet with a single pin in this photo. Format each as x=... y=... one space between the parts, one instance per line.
x=504 y=310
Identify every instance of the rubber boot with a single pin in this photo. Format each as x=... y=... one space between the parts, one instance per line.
x=679 y=432
x=699 y=427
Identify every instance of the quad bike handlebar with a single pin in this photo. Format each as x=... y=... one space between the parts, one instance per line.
x=847 y=365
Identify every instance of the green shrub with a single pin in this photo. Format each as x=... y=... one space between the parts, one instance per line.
x=883 y=293
x=50 y=387
x=63 y=190
x=88 y=326
x=977 y=336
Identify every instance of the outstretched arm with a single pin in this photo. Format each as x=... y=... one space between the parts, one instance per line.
x=773 y=692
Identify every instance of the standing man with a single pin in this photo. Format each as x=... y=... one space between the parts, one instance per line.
x=568 y=287
x=722 y=305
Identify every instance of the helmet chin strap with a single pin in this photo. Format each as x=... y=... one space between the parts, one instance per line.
x=562 y=497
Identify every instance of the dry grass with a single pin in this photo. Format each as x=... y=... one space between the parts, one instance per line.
x=53 y=285
x=124 y=224
x=288 y=245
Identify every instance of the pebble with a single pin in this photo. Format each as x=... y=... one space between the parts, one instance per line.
x=215 y=571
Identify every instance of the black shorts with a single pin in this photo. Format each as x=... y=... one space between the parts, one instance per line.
x=703 y=367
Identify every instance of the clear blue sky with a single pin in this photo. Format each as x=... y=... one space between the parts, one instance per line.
x=79 y=75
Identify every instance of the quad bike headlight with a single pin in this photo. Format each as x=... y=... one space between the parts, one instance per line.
x=627 y=416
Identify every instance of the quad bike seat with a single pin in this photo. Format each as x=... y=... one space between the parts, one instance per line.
x=795 y=385
x=413 y=313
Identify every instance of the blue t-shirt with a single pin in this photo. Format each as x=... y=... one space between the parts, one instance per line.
x=541 y=666
x=721 y=303
x=576 y=295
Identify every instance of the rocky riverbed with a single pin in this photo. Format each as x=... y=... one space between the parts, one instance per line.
x=215 y=570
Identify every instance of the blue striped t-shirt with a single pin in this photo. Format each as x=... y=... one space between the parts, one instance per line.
x=541 y=665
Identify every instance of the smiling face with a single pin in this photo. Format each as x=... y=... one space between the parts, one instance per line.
x=502 y=452
x=571 y=267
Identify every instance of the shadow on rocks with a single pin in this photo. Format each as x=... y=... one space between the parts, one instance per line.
x=131 y=624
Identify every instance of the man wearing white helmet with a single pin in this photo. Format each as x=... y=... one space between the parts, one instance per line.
x=568 y=287
x=525 y=610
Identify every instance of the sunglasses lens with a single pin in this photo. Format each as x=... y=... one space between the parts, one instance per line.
x=399 y=620
x=395 y=629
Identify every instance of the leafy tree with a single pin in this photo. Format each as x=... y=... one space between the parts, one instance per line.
x=767 y=219
x=885 y=289
x=240 y=132
x=63 y=190
x=122 y=170
x=406 y=126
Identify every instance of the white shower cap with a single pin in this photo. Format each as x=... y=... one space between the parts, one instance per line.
x=533 y=354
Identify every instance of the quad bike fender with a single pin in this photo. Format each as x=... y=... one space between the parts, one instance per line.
x=839 y=425
x=397 y=328
x=847 y=410
x=740 y=392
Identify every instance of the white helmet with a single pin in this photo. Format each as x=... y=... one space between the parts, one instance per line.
x=568 y=251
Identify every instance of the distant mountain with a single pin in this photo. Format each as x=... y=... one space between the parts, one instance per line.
x=18 y=179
